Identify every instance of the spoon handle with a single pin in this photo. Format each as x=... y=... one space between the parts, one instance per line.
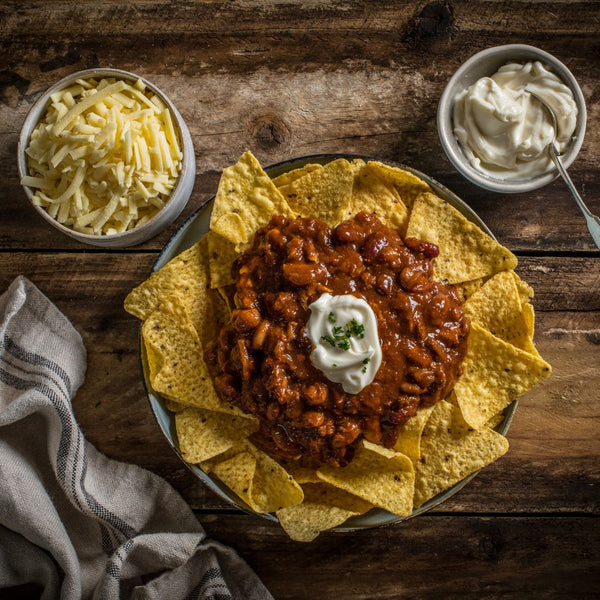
x=593 y=222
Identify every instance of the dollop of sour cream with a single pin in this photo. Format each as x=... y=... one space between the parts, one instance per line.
x=503 y=130
x=343 y=330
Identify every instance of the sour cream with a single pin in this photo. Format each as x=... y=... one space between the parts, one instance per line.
x=503 y=130
x=343 y=330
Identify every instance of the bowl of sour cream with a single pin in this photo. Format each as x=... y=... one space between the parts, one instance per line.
x=495 y=133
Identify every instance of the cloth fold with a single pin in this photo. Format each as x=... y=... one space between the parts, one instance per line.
x=72 y=521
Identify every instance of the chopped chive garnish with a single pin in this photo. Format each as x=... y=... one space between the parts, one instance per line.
x=328 y=339
x=344 y=345
x=340 y=336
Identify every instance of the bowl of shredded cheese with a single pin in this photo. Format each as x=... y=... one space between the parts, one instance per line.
x=106 y=158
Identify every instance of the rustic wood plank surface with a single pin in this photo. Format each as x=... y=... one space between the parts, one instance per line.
x=293 y=78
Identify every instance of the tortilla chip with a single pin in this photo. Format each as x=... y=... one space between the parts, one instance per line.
x=451 y=450
x=237 y=473
x=372 y=194
x=300 y=473
x=204 y=434
x=494 y=374
x=260 y=481
x=466 y=289
x=409 y=438
x=221 y=307
x=287 y=178
x=380 y=476
x=177 y=369
x=304 y=522
x=227 y=295
x=246 y=200
x=497 y=308
x=208 y=465
x=221 y=254
x=323 y=507
x=466 y=252
x=322 y=194
x=186 y=279
x=173 y=405
x=495 y=421
x=407 y=185
x=526 y=294
x=529 y=317
x=525 y=290
x=325 y=493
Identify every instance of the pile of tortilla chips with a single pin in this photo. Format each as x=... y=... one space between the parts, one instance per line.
x=184 y=304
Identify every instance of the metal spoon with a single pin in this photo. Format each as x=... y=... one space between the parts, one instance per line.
x=593 y=222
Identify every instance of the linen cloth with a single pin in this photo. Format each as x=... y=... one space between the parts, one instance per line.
x=72 y=521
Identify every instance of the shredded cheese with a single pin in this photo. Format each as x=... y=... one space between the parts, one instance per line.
x=105 y=157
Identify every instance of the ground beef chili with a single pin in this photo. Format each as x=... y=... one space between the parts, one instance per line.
x=261 y=361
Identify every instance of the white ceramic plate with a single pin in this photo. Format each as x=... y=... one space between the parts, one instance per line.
x=188 y=234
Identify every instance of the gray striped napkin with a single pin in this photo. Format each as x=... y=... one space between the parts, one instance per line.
x=74 y=523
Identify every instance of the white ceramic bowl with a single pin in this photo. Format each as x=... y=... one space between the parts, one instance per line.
x=484 y=64
x=179 y=196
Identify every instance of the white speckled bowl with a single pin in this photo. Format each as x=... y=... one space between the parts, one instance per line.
x=484 y=64
x=179 y=196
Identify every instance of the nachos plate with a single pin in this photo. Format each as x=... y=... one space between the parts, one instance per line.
x=196 y=227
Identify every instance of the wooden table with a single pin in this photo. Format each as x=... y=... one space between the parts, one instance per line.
x=292 y=78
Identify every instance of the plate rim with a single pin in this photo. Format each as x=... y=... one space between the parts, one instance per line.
x=171 y=249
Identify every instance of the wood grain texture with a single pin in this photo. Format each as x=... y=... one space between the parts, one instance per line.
x=353 y=77
x=431 y=557
x=287 y=78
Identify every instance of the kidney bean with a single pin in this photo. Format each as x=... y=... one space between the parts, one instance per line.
x=427 y=249
x=400 y=301
x=384 y=284
x=276 y=239
x=303 y=274
x=411 y=277
x=373 y=245
x=346 y=432
x=347 y=233
x=294 y=408
x=407 y=409
x=243 y=320
x=422 y=377
x=284 y=305
x=312 y=419
x=315 y=393
x=410 y=388
x=438 y=308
